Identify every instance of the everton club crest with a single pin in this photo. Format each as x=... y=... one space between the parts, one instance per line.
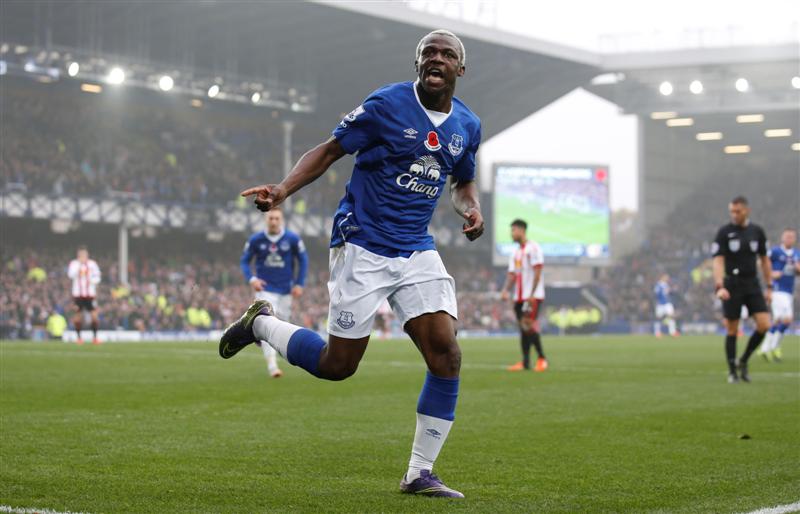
x=456 y=145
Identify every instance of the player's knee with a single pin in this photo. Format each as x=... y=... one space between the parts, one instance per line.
x=447 y=361
x=340 y=371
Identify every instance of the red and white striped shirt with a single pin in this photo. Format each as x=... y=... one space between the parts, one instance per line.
x=523 y=262
x=85 y=277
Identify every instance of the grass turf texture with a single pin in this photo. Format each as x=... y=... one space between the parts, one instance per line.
x=567 y=226
x=618 y=424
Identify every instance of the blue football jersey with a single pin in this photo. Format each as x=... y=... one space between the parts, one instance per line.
x=662 y=293
x=275 y=260
x=405 y=154
x=784 y=260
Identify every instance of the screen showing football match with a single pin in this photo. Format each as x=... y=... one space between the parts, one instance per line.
x=566 y=209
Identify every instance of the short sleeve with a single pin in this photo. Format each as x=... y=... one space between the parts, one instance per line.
x=718 y=244
x=762 y=243
x=464 y=169
x=537 y=257
x=300 y=246
x=360 y=128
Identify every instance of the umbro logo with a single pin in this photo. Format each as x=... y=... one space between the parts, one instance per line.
x=434 y=433
x=410 y=133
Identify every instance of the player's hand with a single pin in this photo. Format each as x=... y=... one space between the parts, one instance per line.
x=257 y=284
x=768 y=295
x=505 y=296
x=297 y=291
x=473 y=228
x=723 y=294
x=266 y=196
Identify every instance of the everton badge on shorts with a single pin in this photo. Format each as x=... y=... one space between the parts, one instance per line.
x=432 y=141
x=345 y=320
x=456 y=145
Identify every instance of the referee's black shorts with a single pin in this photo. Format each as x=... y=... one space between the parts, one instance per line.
x=744 y=291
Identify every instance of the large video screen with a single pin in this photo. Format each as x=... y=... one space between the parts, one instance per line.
x=566 y=209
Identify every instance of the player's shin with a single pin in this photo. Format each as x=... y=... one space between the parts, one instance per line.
x=730 y=353
x=782 y=328
x=435 y=414
x=300 y=346
x=270 y=355
x=752 y=344
x=525 y=342
x=673 y=329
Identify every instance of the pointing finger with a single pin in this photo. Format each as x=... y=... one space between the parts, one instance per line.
x=251 y=191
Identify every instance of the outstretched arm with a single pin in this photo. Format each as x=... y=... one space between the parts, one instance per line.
x=309 y=168
x=464 y=194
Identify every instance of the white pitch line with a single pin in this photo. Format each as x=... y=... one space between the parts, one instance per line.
x=778 y=509
x=7 y=509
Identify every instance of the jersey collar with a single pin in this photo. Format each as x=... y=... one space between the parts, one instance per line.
x=277 y=237
x=437 y=118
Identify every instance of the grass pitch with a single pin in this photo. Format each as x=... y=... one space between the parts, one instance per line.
x=618 y=424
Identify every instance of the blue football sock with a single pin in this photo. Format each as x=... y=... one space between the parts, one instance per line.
x=304 y=348
x=436 y=411
x=438 y=397
x=782 y=327
x=774 y=328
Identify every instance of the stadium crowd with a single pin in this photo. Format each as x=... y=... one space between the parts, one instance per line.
x=187 y=292
x=66 y=142
x=681 y=247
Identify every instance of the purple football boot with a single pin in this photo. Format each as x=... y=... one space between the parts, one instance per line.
x=240 y=333
x=428 y=484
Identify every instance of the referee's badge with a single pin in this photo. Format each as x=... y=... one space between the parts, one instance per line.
x=734 y=245
x=754 y=246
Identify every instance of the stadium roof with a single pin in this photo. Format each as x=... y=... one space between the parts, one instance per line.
x=343 y=51
x=759 y=83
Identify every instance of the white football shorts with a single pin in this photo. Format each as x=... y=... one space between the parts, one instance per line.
x=665 y=310
x=782 y=305
x=360 y=281
x=282 y=303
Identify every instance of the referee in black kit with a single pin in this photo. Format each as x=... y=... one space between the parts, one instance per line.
x=736 y=248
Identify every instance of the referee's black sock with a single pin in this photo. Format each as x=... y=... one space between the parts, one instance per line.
x=730 y=352
x=752 y=344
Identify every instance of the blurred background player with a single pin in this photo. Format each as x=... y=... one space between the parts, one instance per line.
x=525 y=275
x=275 y=251
x=665 y=311
x=85 y=275
x=737 y=247
x=785 y=259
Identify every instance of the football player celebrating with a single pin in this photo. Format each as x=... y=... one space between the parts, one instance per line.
x=409 y=137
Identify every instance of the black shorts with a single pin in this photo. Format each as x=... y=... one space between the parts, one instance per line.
x=745 y=292
x=533 y=313
x=84 y=304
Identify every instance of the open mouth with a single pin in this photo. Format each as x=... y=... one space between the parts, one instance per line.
x=436 y=74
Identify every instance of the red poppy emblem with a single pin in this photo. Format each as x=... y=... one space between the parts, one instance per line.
x=432 y=143
x=601 y=174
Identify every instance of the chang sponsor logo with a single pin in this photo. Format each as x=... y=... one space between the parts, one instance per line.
x=424 y=168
